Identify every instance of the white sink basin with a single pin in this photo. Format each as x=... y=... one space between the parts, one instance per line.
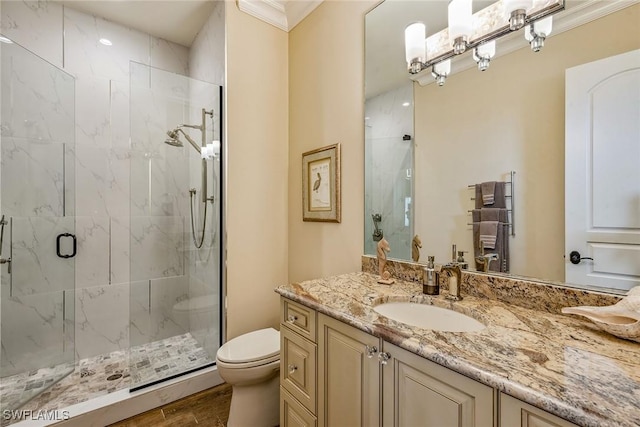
x=428 y=317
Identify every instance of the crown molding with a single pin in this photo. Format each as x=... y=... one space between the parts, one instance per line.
x=566 y=20
x=283 y=14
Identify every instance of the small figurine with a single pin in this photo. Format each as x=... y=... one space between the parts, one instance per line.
x=416 y=245
x=385 y=276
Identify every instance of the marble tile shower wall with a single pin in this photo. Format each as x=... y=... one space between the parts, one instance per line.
x=388 y=175
x=206 y=63
x=110 y=279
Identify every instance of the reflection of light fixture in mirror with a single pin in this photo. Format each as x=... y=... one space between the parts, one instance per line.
x=459 y=24
x=536 y=33
x=440 y=71
x=516 y=10
x=485 y=26
x=414 y=42
x=483 y=53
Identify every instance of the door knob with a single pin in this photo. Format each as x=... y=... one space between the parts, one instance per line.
x=575 y=257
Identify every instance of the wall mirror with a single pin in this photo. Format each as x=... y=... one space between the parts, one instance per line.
x=426 y=145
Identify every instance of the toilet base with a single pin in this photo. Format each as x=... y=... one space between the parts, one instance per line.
x=257 y=405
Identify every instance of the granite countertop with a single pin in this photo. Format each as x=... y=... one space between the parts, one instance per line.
x=558 y=363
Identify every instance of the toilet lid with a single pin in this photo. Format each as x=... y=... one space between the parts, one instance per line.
x=256 y=345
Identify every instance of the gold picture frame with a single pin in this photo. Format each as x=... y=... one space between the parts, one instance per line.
x=321 y=184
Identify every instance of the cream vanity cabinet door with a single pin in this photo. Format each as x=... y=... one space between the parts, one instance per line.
x=348 y=375
x=418 y=392
x=516 y=413
x=293 y=414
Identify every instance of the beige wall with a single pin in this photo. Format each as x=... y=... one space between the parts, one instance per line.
x=257 y=140
x=326 y=104
x=479 y=126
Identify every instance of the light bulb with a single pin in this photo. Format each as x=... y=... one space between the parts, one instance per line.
x=414 y=44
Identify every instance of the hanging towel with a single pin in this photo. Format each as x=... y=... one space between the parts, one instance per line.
x=502 y=237
x=488 y=192
x=489 y=233
x=499 y=199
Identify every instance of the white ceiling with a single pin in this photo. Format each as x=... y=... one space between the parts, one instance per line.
x=180 y=20
x=177 y=20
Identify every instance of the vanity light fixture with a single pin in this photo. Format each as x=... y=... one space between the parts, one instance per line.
x=414 y=44
x=441 y=70
x=483 y=53
x=536 y=33
x=516 y=10
x=477 y=32
x=460 y=27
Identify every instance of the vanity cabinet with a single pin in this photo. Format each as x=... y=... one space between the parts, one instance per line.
x=348 y=375
x=298 y=369
x=516 y=413
x=333 y=374
x=420 y=392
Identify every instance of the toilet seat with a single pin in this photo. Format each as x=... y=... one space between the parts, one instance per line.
x=252 y=349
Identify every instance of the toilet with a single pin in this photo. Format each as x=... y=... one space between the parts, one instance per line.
x=250 y=363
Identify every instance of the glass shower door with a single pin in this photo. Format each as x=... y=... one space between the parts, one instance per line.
x=37 y=226
x=175 y=225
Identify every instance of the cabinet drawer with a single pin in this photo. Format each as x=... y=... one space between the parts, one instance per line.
x=293 y=414
x=298 y=368
x=298 y=318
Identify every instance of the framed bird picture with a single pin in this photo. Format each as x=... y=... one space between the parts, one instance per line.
x=321 y=184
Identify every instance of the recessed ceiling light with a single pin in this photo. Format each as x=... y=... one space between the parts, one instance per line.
x=367 y=118
x=406 y=104
x=5 y=40
x=106 y=42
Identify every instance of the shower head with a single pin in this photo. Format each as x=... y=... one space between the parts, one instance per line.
x=173 y=138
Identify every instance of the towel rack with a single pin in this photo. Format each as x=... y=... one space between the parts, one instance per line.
x=511 y=196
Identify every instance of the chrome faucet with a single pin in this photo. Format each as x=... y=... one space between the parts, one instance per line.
x=455 y=278
x=485 y=260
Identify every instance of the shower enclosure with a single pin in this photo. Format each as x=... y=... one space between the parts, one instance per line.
x=110 y=255
x=389 y=171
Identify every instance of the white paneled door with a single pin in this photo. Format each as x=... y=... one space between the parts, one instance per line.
x=602 y=172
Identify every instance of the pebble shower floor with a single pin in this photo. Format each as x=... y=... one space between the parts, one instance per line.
x=100 y=375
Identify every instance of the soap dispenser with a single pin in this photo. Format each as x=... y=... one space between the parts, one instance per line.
x=463 y=264
x=430 y=282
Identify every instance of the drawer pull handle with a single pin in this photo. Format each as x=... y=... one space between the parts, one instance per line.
x=384 y=357
x=292 y=318
x=371 y=350
x=292 y=368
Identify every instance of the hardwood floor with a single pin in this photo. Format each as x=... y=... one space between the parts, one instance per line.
x=209 y=408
